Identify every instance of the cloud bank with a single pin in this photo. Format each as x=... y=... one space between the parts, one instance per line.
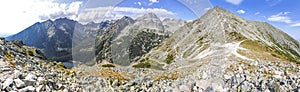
x=19 y=14
x=108 y=13
x=280 y=17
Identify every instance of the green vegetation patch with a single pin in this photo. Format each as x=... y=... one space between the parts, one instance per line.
x=188 y=52
x=237 y=36
x=142 y=65
x=254 y=46
x=170 y=58
x=259 y=47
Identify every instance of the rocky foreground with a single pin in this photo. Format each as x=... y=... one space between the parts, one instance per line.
x=22 y=70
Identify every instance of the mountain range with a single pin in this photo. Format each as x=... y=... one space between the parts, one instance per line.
x=62 y=38
x=219 y=51
x=126 y=40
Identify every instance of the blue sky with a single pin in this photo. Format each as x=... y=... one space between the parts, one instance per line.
x=283 y=14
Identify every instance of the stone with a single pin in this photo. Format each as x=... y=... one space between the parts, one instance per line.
x=195 y=88
x=204 y=75
x=40 y=81
x=1 y=85
x=30 y=88
x=19 y=83
x=7 y=83
x=23 y=89
x=209 y=89
x=39 y=88
x=184 y=88
x=227 y=76
x=30 y=77
x=132 y=88
x=29 y=82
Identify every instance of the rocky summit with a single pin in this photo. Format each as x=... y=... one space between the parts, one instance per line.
x=218 y=52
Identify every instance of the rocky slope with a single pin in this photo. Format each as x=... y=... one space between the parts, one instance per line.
x=221 y=34
x=171 y=25
x=24 y=69
x=219 y=40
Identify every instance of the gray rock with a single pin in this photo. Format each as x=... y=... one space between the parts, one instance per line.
x=39 y=88
x=19 y=83
x=227 y=76
x=30 y=77
x=5 y=69
x=1 y=85
x=28 y=88
x=23 y=89
x=184 y=88
x=8 y=82
x=29 y=82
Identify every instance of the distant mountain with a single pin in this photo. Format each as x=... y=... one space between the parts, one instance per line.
x=135 y=40
x=59 y=38
x=219 y=36
x=54 y=38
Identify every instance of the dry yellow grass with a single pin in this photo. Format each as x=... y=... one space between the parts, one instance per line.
x=109 y=73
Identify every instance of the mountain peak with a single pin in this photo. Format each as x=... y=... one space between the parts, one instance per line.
x=127 y=18
x=219 y=11
x=147 y=16
x=63 y=19
x=150 y=15
x=218 y=8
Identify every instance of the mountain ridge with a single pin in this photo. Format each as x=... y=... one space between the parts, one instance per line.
x=219 y=28
x=56 y=38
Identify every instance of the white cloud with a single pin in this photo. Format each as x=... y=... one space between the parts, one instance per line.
x=108 y=13
x=241 y=11
x=152 y=2
x=257 y=13
x=295 y=25
x=206 y=9
x=235 y=2
x=20 y=14
x=280 y=17
x=138 y=3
